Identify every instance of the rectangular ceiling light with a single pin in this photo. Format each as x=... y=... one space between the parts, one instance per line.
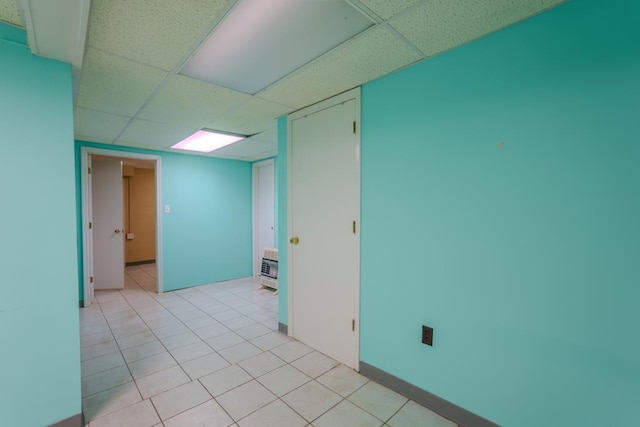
x=206 y=141
x=261 y=41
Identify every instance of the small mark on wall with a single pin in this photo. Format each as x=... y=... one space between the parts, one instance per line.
x=500 y=144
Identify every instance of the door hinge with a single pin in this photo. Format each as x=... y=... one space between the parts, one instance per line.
x=354 y=127
x=91 y=279
x=354 y=227
x=90 y=225
x=89 y=171
x=353 y=325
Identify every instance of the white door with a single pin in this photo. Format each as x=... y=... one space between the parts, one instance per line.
x=87 y=255
x=108 y=227
x=325 y=213
x=265 y=210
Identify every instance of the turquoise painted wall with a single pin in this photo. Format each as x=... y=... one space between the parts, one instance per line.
x=207 y=236
x=282 y=220
x=500 y=205
x=39 y=327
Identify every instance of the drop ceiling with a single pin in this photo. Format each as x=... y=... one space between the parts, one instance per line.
x=128 y=86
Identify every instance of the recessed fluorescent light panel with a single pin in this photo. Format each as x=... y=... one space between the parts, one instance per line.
x=261 y=41
x=206 y=141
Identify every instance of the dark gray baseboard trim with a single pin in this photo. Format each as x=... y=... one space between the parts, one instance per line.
x=74 y=421
x=149 y=261
x=437 y=404
x=283 y=328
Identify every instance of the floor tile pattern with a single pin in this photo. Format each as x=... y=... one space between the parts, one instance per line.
x=212 y=356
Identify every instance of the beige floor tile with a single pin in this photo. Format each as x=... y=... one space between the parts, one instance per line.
x=239 y=352
x=238 y=322
x=312 y=400
x=314 y=364
x=204 y=365
x=378 y=400
x=346 y=414
x=209 y=414
x=179 y=373
x=161 y=381
x=99 y=349
x=283 y=380
x=275 y=414
x=342 y=380
x=191 y=351
x=158 y=362
x=225 y=379
x=180 y=399
x=105 y=380
x=270 y=340
x=140 y=414
x=291 y=351
x=109 y=401
x=176 y=341
x=102 y=363
x=143 y=351
x=261 y=364
x=224 y=341
x=253 y=331
x=245 y=399
x=212 y=331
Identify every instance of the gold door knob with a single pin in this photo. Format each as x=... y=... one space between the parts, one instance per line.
x=294 y=240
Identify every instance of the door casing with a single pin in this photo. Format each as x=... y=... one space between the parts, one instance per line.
x=87 y=241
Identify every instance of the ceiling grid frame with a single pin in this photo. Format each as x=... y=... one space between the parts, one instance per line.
x=128 y=88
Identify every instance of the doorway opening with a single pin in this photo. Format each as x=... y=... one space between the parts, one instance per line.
x=137 y=232
x=263 y=211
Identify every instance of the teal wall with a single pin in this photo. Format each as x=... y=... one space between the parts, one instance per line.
x=39 y=328
x=207 y=236
x=523 y=258
x=282 y=227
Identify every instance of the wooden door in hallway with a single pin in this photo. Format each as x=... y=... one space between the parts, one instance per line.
x=324 y=227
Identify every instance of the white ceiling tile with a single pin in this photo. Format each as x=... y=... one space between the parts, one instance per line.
x=98 y=125
x=154 y=134
x=9 y=12
x=439 y=25
x=158 y=32
x=190 y=102
x=356 y=62
x=251 y=117
x=245 y=148
x=261 y=156
x=87 y=138
x=270 y=134
x=115 y=85
x=386 y=9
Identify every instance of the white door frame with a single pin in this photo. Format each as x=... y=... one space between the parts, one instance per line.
x=87 y=243
x=323 y=105
x=257 y=256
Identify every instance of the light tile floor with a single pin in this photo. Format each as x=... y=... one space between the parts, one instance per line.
x=212 y=356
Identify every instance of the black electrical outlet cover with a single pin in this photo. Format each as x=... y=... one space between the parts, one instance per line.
x=427 y=335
